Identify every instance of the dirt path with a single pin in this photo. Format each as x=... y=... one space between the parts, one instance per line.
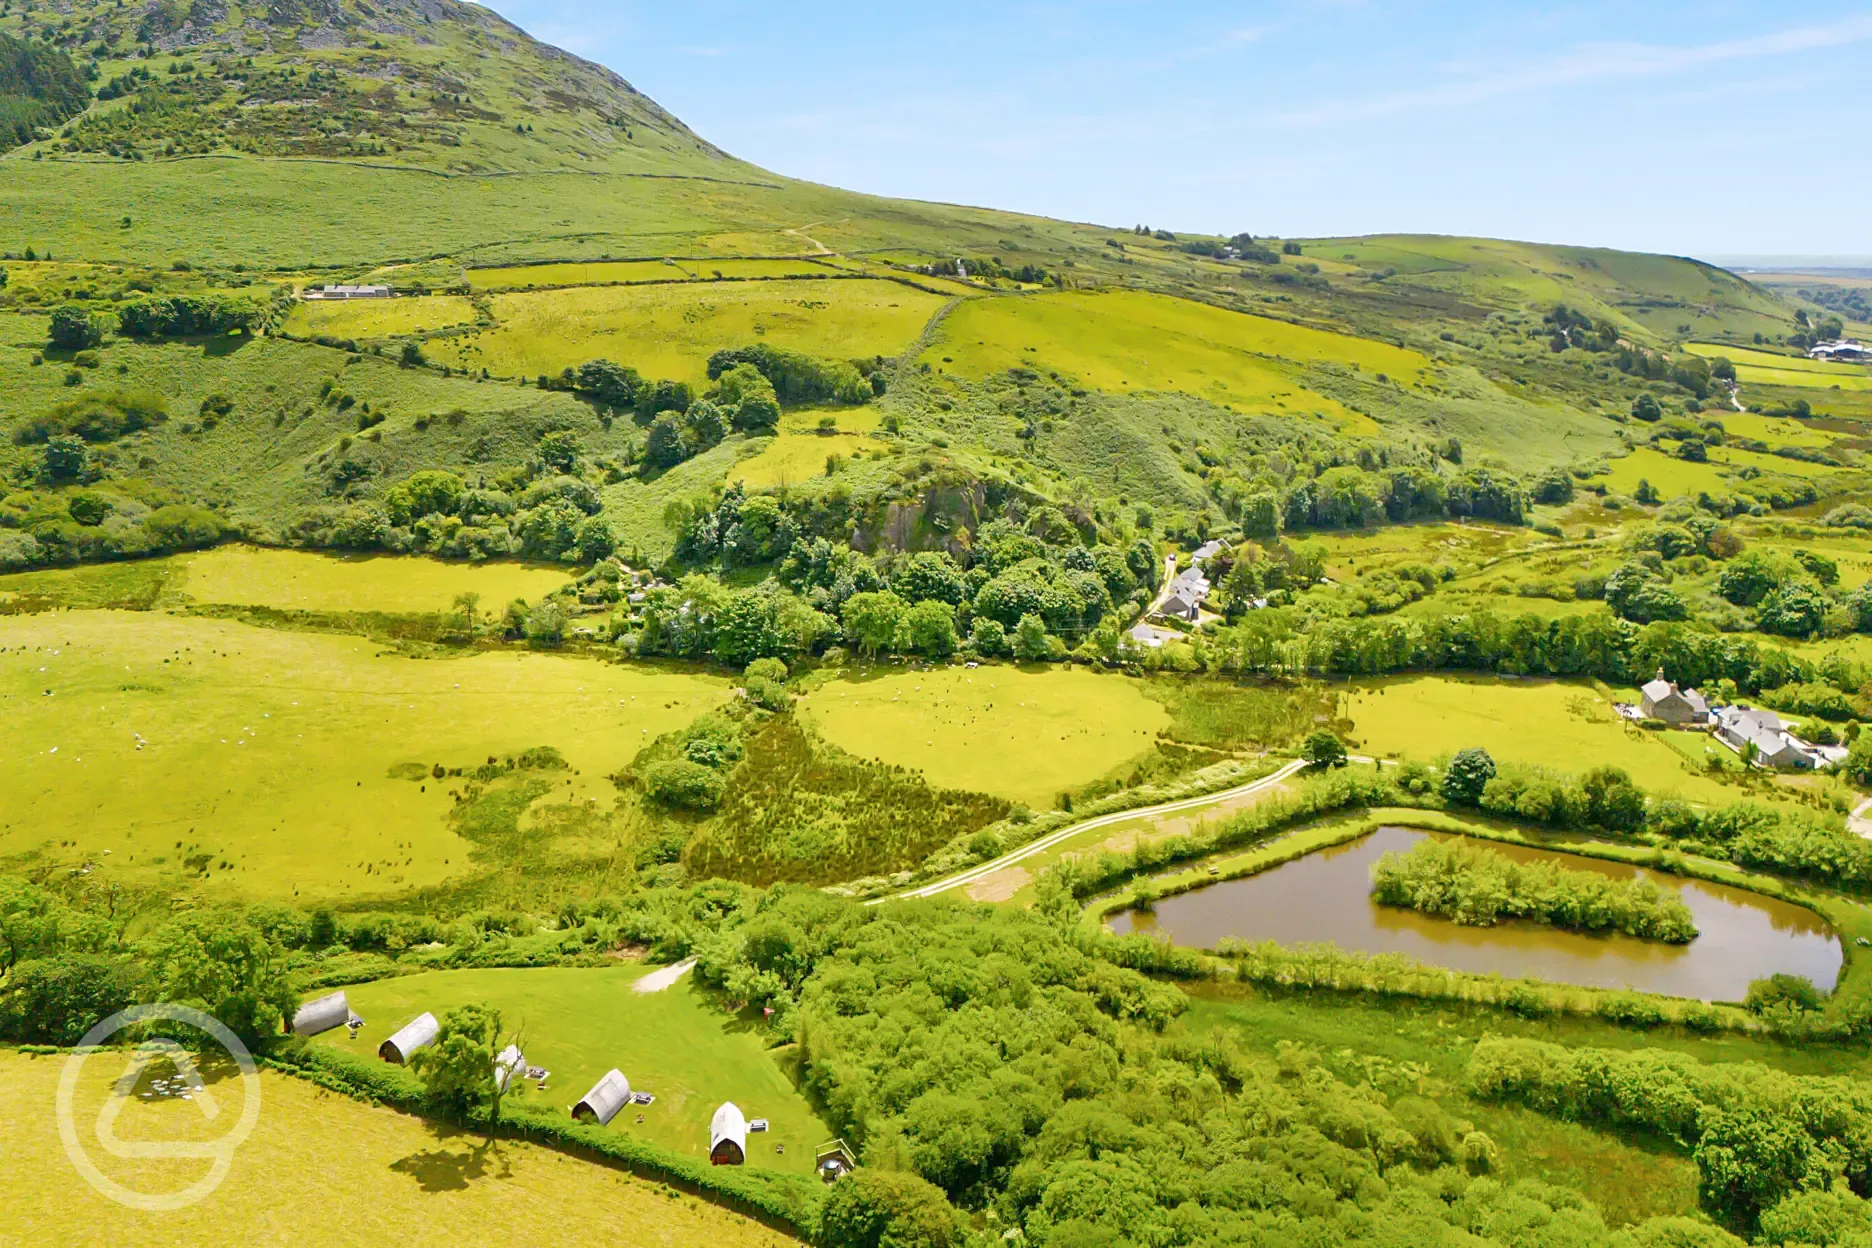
x=802 y=235
x=657 y=981
x=972 y=875
x=1860 y=821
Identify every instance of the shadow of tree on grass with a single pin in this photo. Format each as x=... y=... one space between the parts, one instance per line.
x=459 y=1160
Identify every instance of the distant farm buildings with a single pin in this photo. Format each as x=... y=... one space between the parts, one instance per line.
x=1845 y=351
x=347 y=292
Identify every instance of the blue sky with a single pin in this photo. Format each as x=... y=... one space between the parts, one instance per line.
x=1662 y=126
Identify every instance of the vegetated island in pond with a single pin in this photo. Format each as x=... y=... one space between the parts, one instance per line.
x=1479 y=888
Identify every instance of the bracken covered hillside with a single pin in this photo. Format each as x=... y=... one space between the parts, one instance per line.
x=426 y=82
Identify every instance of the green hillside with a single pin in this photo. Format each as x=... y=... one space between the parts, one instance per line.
x=535 y=213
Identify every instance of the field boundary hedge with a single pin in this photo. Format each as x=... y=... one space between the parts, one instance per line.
x=787 y=1203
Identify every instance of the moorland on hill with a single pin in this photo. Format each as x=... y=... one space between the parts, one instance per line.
x=686 y=562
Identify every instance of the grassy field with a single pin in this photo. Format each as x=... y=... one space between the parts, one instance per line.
x=267 y=756
x=1129 y=341
x=1774 y=368
x=802 y=447
x=1684 y=298
x=628 y=272
x=1750 y=375
x=670 y=331
x=297 y=580
x=379 y=318
x=322 y=1167
x=1025 y=735
x=1774 y=430
x=1566 y=726
x=579 y=1023
x=1457 y=545
x=1672 y=477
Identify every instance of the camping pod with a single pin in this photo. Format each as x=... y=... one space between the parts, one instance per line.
x=321 y=1015
x=607 y=1097
x=727 y=1136
x=511 y=1062
x=419 y=1033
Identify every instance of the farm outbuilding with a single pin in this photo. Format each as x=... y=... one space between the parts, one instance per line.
x=321 y=1015
x=418 y=1033
x=727 y=1136
x=609 y=1095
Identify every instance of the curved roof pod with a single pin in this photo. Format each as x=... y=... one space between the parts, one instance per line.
x=418 y=1033
x=511 y=1062
x=727 y=1136
x=609 y=1095
x=321 y=1015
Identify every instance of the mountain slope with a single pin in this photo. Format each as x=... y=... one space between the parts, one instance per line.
x=430 y=83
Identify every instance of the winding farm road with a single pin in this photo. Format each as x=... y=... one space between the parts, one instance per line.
x=972 y=874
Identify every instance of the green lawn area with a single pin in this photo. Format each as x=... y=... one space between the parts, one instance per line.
x=1130 y=341
x=1670 y=476
x=271 y=751
x=379 y=318
x=580 y=1022
x=1567 y=726
x=297 y=580
x=1772 y=359
x=670 y=331
x=626 y=272
x=1023 y=734
x=315 y=1159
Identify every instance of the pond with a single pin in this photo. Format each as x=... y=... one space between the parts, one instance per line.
x=1326 y=896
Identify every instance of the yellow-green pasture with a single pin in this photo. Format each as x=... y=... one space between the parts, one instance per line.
x=298 y=580
x=801 y=449
x=628 y=272
x=318 y=1166
x=1780 y=465
x=1458 y=545
x=1134 y=342
x=1774 y=430
x=671 y=330
x=378 y=318
x=1670 y=476
x=248 y=762
x=1567 y=726
x=1769 y=368
x=1856 y=380
x=1026 y=735
x=580 y=1022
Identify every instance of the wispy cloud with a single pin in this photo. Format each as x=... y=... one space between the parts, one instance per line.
x=1589 y=63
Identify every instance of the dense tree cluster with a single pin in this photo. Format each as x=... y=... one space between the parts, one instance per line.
x=543 y=512
x=65 y=968
x=40 y=88
x=1758 y=1136
x=1322 y=494
x=797 y=378
x=1026 y=1075
x=1479 y=887
x=186 y=316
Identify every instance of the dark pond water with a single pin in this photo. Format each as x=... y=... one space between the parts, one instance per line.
x=1326 y=896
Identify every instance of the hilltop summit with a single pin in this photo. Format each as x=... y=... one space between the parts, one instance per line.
x=432 y=83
